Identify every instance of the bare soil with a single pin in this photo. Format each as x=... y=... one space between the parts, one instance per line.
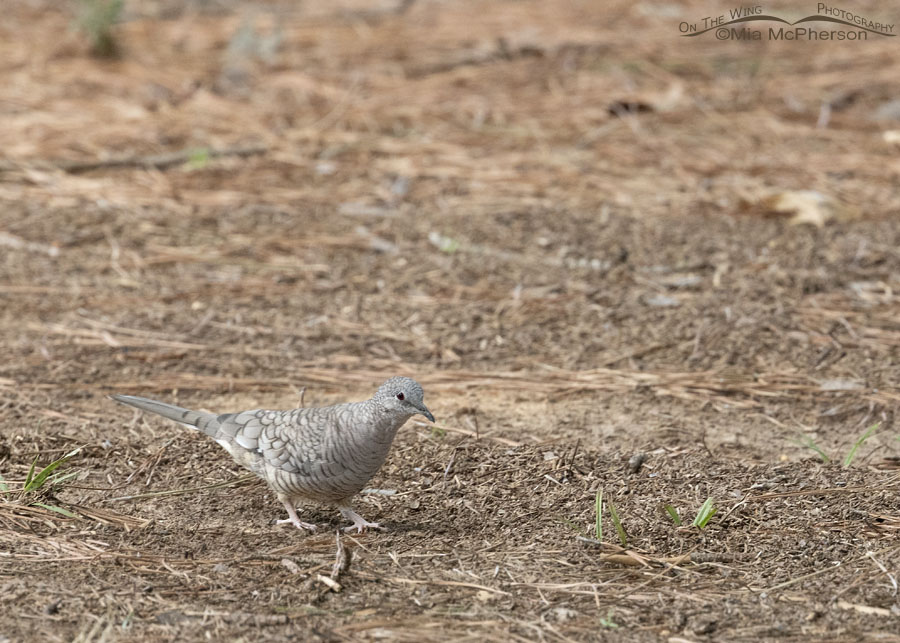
x=562 y=220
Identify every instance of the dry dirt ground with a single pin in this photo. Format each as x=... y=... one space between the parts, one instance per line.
x=571 y=224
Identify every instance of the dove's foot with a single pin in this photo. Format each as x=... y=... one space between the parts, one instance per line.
x=299 y=524
x=360 y=524
x=294 y=519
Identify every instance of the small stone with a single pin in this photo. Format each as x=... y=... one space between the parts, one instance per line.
x=636 y=461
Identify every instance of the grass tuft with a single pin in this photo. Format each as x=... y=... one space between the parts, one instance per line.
x=613 y=514
x=707 y=511
x=39 y=483
x=95 y=20
x=199 y=158
x=607 y=621
x=865 y=436
x=808 y=443
x=623 y=538
x=34 y=483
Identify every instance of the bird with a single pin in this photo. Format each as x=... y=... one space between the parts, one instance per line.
x=322 y=454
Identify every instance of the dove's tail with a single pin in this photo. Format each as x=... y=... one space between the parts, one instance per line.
x=206 y=422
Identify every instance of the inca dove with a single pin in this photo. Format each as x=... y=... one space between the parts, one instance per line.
x=323 y=454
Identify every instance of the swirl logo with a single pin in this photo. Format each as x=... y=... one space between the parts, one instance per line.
x=735 y=25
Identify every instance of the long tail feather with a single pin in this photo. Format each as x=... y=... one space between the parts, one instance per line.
x=206 y=422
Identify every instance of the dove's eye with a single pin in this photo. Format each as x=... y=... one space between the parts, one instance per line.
x=400 y=396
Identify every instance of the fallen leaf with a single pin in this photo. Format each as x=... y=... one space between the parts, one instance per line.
x=807 y=206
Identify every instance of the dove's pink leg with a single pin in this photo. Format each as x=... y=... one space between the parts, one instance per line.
x=294 y=519
x=359 y=523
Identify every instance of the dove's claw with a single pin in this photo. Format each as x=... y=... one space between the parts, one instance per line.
x=294 y=519
x=299 y=524
x=360 y=524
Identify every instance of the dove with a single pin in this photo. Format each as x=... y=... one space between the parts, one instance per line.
x=325 y=454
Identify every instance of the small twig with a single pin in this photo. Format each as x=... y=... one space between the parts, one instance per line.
x=443 y=583
x=332 y=584
x=379 y=492
x=12 y=241
x=179 y=492
x=502 y=53
x=157 y=161
x=452 y=429
x=705 y=445
x=342 y=559
x=271 y=558
x=631 y=558
x=473 y=422
x=448 y=467
x=863 y=609
x=374 y=16
x=822 y=492
x=883 y=569
x=150 y=463
x=204 y=321
x=800 y=579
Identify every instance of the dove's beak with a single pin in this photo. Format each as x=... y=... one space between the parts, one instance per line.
x=424 y=411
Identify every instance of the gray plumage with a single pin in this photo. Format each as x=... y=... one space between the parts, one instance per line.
x=324 y=454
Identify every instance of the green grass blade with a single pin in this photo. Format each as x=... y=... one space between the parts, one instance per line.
x=865 y=436
x=199 y=158
x=30 y=475
x=703 y=522
x=41 y=478
x=598 y=515
x=59 y=510
x=608 y=621
x=4 y=488
x=623 y=538
x=59 y=478
x=707 y=511
x=36 y=482
x=808 y=443
x=673 y=514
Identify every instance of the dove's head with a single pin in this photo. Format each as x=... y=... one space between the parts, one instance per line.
x=402 y=395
